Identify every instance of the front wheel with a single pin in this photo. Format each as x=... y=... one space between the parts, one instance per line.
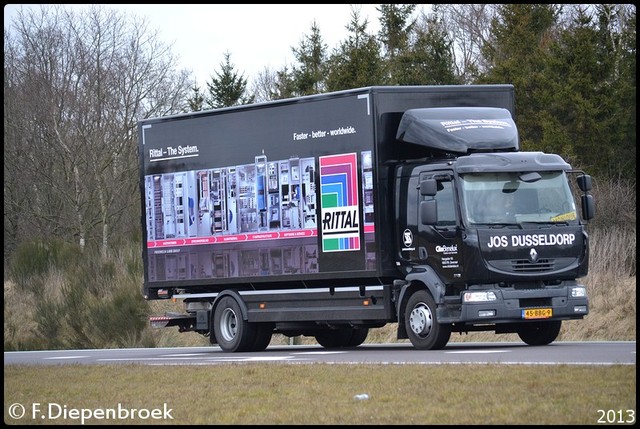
x=421 y=323
x=539 y=333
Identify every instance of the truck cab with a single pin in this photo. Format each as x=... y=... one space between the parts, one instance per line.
x=494 y=235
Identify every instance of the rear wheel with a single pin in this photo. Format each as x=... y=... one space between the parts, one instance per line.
x=264 y=332
x=539 y=333
x=342 y=337
x=233 y=333
x=333 y=338
x=421 y=323
x=358 y=336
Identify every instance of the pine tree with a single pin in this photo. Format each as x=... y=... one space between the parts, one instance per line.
x=196 y=101
x=227 y=88
x=356 y=62
x=429 y=59
x=394 y=35
x=518 y=53
x=311 y=54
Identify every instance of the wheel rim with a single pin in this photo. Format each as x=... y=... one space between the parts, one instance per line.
x=421 y=320
x=228 y=324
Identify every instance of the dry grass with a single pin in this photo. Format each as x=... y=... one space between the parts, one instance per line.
x=324 y=394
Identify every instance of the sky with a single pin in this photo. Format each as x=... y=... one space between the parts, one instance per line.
x=256 y=36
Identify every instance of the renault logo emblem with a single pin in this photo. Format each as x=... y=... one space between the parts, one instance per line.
x=533 y=255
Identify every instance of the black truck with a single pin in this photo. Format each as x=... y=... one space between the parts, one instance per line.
x=332 y=214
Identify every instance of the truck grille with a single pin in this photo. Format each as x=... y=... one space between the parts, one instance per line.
x=535 y=302
x=525 y=266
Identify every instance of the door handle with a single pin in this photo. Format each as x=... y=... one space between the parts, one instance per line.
x=422 y=252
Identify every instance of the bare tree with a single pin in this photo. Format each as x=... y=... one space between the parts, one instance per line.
x=469 y=27
x=82 y=79
x=265 y=85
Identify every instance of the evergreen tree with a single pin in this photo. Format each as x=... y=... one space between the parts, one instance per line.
x=568 y=98
x=285 y=85
x=395 y=31
x=395 y=28
x=356 y=62
x=517 y=53
x=311 y=55
x=227 y=88
x=196 y=101
x=617 y=37
x=592 y=94
x=429 y=59
x=574 y=81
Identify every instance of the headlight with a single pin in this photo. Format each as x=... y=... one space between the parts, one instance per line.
x=479 y=297
x=578 y=292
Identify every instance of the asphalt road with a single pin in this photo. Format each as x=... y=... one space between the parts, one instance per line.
x=558 y=353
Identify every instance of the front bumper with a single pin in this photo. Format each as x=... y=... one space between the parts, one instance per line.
x=514 y=305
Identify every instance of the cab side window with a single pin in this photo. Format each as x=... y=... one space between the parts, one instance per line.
x=446 y=206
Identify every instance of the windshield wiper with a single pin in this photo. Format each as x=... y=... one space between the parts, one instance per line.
x=545 y=222
x=499 y=225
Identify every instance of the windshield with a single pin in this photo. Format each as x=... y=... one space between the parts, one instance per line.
x=507 y=198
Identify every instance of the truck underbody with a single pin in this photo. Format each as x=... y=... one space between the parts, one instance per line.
x=341 y=317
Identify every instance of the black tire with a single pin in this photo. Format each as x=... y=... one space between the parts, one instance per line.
x=342 y=337
x=421 y=323
x=334 y=338
x=358 y=336
x=264 y=332
x=539 y=333
x=233 y=333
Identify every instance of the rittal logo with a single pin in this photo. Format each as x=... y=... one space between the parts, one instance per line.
x=339 y=203
x=340 y=220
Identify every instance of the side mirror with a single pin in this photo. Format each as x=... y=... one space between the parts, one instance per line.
x=588 y=207
x=429 y=212
x=428 y=187
x=584 y=182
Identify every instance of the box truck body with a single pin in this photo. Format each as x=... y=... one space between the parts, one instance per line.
x=330 y=214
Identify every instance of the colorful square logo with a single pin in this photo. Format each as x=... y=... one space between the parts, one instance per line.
x=339 y=203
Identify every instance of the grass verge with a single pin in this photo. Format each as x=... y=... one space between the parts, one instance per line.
x=324 y=394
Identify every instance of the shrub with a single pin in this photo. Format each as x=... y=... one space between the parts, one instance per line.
x=32 y=260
